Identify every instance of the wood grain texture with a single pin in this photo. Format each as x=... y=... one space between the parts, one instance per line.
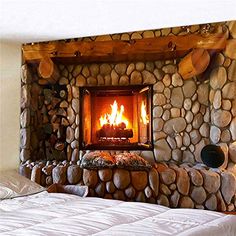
x=161 y=48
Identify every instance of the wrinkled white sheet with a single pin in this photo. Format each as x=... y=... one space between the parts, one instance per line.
x=63 y=214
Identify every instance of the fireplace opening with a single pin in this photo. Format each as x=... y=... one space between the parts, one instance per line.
x=116 y=118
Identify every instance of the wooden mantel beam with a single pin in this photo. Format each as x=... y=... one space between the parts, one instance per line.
x=161 y=48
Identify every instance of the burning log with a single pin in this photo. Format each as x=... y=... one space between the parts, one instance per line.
x=115 y=131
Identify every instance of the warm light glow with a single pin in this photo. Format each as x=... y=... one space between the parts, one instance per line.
x=144 y=116
x=116 y=116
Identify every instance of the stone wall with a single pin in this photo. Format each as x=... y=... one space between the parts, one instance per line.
x=169 y=185
x=187 y=114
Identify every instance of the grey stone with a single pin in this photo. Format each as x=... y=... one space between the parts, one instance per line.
x=162 y=150
x=59 y=175
x=177 y=80
x=157 y=111
x=171 y=142
x=211 y=203
x=189 y=116
x=163 y=200
x=24 y=154
x=70 y=115
x=198 y=194
x=218 y=78
x=177 y=155
x=159 y=74
x=221 y=118
x=215 y=133
x=177 y=97
x=130 y=192
x=148 y=192
x=25 y=138
x=75 y=144
x=175 y=125
x=187 y=104
x=74 y=174
x=188 y=157
x=179 y=141
x=203 y=93
x=174 y=199
x=225 y=136
x=25 y=118
x=167 y=93
x=198 y=149
x=189 y=88
x=75 y=105
x=196 y=107
x=157 y=124
x=121 y=178
x=195 y=176
x=25 y=96
x=148 y=156
x=166 y=115
x=159 y=87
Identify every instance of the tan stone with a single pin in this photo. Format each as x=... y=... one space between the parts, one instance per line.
x=105 y=69
x=103 y=38
x=157 y=124
x=148 y=78
x=232 y=128
x=80 y=81
x=154 y=181
x=229 y=90
x=175 y=125
x=36 y=174
x=175 y=112
x=228 y=179
x=231 y=70
x=167 y=175
x=130 y=68
x=140 y=66
x=215 y=133
x=69 y=134
x=158 y=73
x=232 y=151
x=177 y=97
x=105 y=174
x=232 y=28
x=186 y=202
x=218 y=77
x=120 y=68
x=121 y=178
x=114 y=78
x=195 y=176
x=230 y=48
x=75 y=92
x=164 y=189
x=174 y=199
x=140 y=197
x=217 y=100
x=221 y=118
x=90 y=178
x=136 y=78
x=148 y=34
x=183 y=183
x=162 y=150
x=177 y=80
x=177 y=155
x=94 y=69
x=226 y=105
x=169 y=69
x=157 y=111
x=124 y=80
x=159 y=99
x=220 y=202
x=211 y=181
x=136 y=35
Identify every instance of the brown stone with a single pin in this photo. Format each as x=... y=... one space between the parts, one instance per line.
x=230 y=49
x=232 y=151
x=105 y=174
x=140 y=66
x=229 y=90
x=221 y=118
x=167 y=175
x=177 y=80
x=231 y=71
x=121 y=178
x=189 y=88
x=47 y=170
x=139 y=179
x=211 y=181
x=94 y=69
x=90 y=178
x=130 y=192
x=228 y=185
x=70 y=115
x=154 y=181
x=177 y=97
x=105 y=69
x=119 y=195
x=148 y=192
x=140 y=197
x=220 y=202
x=232 y=128
x=70 y=134
x=186 y=202
x=164 y=189
x=183 y=182
x=148 y=78
x=218 y=78
x=198 y=194
x=80 y=81
x=36 y=174
x=197 y=121
x=74 y=173
x=195 y=176
x=169 y=69
x=163 y=200
x=136 y=78
x=130 y=68
x=120 y=68
x=100 y=189
x=159 y=99
x=110 y=187
x=59 y=175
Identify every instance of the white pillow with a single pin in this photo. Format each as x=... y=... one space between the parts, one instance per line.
x=14 y=185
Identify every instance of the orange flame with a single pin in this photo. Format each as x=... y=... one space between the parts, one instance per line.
x=116 y=116
x=144 y=116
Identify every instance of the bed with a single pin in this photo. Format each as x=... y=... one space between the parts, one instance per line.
x=44 y=213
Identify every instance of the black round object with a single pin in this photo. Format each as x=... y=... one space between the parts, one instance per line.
x=212 y=156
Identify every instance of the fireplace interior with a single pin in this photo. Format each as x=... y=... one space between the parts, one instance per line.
x=116 y=118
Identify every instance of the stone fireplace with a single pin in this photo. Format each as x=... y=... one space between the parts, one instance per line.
x=165 y=119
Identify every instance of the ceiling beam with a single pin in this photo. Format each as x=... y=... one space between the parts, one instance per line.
x=161 y=48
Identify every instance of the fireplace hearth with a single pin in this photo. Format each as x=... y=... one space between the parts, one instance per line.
x=116 y=118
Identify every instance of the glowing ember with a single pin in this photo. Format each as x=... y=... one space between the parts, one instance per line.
x=116 y=116
x=144 y=116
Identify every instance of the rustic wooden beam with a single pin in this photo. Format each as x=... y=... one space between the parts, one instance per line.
x=195 y=63
x=161 y=48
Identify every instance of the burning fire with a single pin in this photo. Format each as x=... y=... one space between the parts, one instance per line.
x=144 y=116
x=116 y=116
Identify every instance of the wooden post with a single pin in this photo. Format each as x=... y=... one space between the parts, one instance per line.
x=48 y=70
x=194 y=63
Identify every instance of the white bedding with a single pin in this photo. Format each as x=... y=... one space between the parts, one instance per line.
x=63 y=214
